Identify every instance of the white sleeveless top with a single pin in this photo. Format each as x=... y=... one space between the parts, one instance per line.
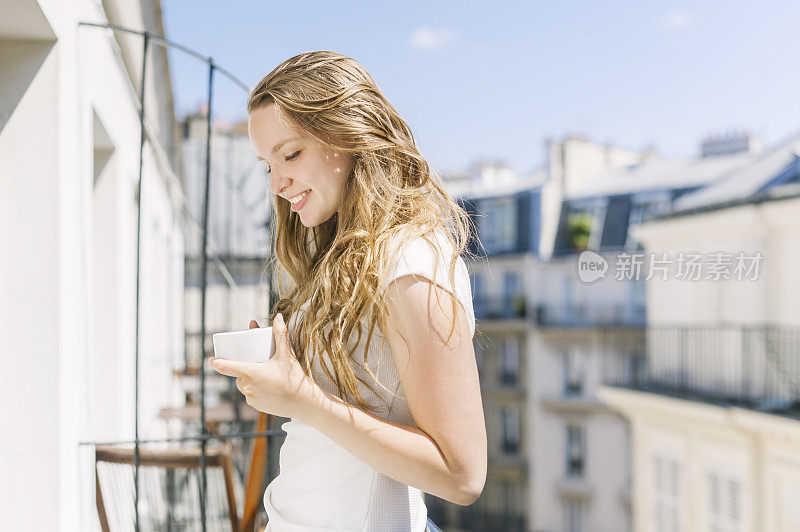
x=322 y=486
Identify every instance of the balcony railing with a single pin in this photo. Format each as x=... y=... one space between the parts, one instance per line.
x=581 y=316
x=477 y=519
x=756 y=367
x=514 y=307
x=473 y=517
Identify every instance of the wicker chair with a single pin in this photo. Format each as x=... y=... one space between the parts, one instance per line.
x=169 y=487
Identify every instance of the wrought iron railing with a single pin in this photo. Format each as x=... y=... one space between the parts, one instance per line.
x=512 y=307
x=140 y=448
x=752 y=366
x=473 y=517
x=486 y=521
x=580 y=316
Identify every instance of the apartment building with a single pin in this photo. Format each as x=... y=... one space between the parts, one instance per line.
x=711 y=387
x=508 y=223
x=558 y=455
x=590 y=487
x=239 y=209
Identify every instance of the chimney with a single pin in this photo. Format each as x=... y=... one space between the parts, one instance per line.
x=729 y=143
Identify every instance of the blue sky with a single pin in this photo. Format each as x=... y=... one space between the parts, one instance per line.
x=495 y=80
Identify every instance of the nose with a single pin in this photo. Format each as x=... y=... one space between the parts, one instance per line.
x=278 y=184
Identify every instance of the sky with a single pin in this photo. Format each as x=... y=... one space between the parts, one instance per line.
x=495 y=80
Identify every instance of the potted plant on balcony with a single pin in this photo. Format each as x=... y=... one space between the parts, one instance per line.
x=579 y=226
x=518 y=305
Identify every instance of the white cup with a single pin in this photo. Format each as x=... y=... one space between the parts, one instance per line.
x=250 y=345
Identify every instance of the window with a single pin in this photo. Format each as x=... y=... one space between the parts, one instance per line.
x=498 y=228
x=510 y=429
x=667 y=492
x=509 y=361
x=585 y=223
x=510 y=493
x=574 y=302
x=573 y=372
x=573 y=515
x=576 y=450
x=724 y=503
x=643 y=210
x=511 y=285
x=598 y=222
x=513 y=298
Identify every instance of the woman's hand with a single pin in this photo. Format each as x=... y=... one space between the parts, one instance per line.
x=278 y=386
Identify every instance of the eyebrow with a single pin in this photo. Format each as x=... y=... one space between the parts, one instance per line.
x=278 y=145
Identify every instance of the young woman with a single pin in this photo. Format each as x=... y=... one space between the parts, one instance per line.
x=376 y=367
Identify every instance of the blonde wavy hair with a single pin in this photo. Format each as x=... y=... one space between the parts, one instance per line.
x=391 y=191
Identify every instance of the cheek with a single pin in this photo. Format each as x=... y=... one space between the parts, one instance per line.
x=334 y=172
x=343 y=167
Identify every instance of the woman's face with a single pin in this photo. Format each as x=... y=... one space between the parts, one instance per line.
x=298 y=163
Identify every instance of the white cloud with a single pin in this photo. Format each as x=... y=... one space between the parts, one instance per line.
x=431 y=38
x=676 y=21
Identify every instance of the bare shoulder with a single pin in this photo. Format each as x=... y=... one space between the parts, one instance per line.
x=425 y=311
x=435 y=369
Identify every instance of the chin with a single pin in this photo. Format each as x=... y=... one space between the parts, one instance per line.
x=310 y=221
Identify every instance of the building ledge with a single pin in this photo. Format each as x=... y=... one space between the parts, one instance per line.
x=502 y=324
x=507 y=392
x=576 y=488
x=652 y=405
x=500 y=463
x=569 y=404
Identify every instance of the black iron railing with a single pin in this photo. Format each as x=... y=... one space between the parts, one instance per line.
x=512 y=307
x=473 y=517
x=485 y=521
x=590 y=315
x=149 y=39
x=755 y=367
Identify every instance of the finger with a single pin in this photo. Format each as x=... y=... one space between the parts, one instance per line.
x=253 y=324
x=231 y=368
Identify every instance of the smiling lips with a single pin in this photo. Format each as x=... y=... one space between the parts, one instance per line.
x=299 y=200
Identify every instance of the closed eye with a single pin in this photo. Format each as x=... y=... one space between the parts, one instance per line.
x=291 y=157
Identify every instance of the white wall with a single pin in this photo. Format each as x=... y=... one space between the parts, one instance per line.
x=604 y=484
x=560 y=286
x=772 y=228
x=68 y=275
x=759 y=451
x=30 y=289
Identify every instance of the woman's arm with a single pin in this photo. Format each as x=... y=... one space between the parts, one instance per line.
x=446 y=456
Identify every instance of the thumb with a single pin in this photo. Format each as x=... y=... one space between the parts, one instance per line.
x=231 y=368
x=279 y=327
